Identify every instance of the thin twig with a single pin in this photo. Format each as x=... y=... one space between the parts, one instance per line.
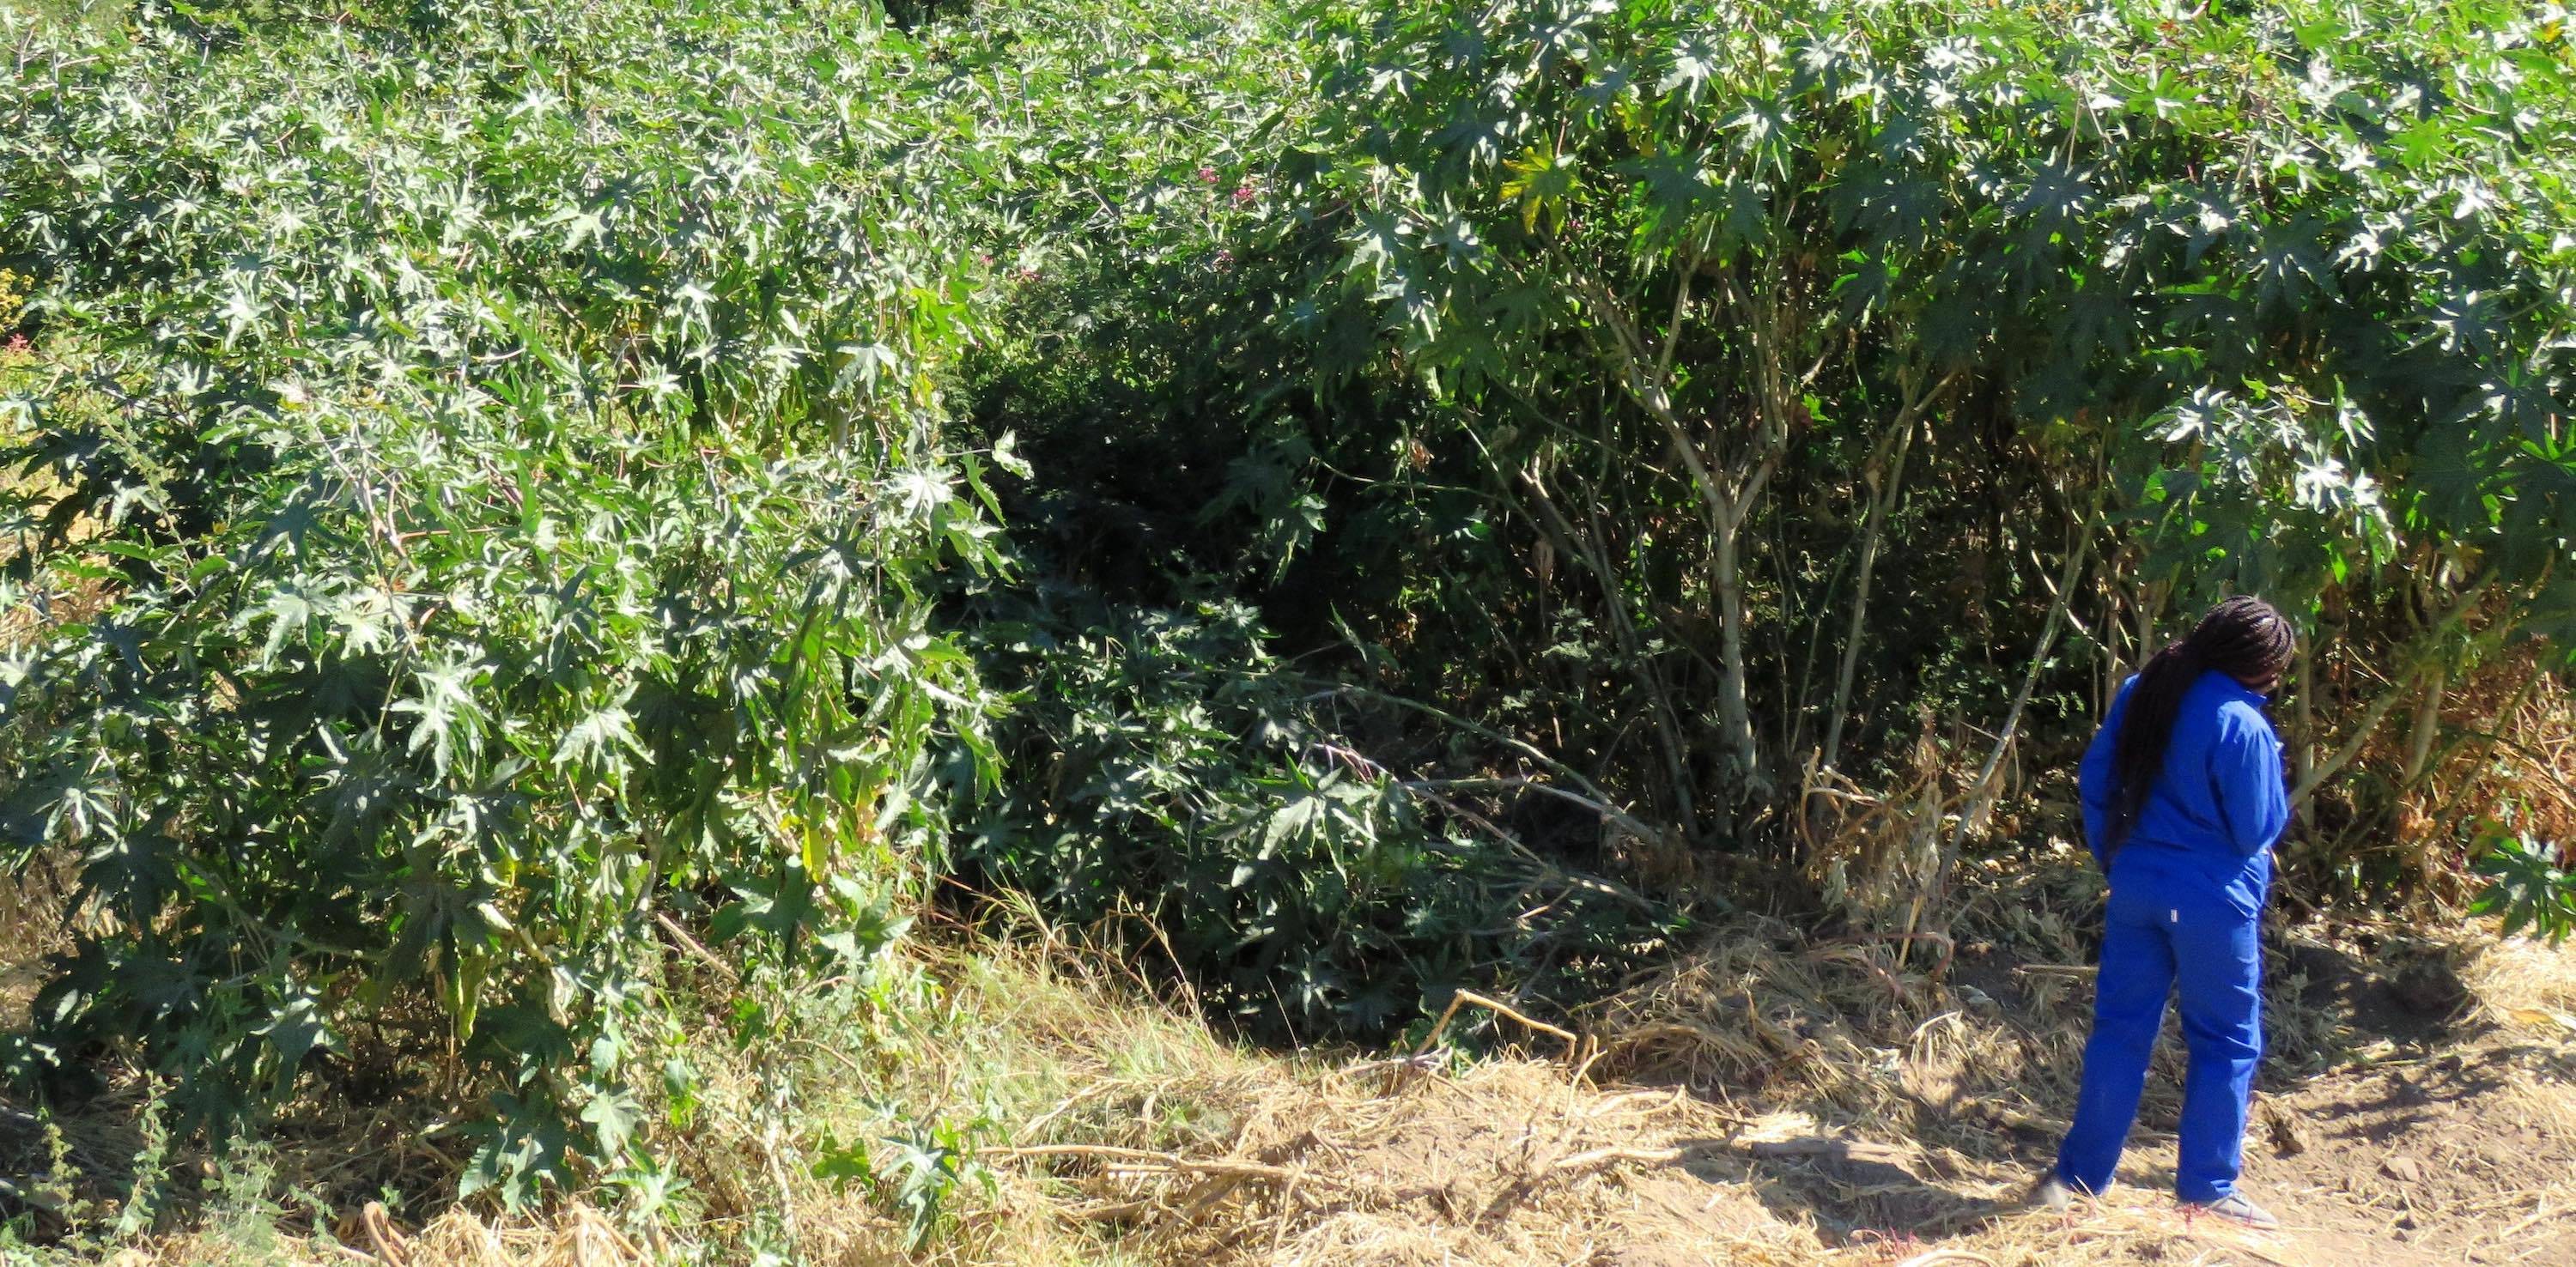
x=1146 y=1159
x=1599 y=1156
x=697 y=951
x=1573 y=1043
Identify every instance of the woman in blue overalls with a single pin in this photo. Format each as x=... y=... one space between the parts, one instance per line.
x=2183 y=799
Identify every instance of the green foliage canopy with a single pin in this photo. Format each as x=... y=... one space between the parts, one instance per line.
x=2272 y=300
x=511 y=443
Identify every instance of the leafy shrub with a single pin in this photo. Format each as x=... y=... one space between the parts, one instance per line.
x=521 y=489
x=2529 y=886
x=1162 y=763
x=1131 y=350
x=1166 y=766
x=1811 y=365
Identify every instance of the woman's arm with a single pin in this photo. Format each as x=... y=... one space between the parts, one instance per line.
x=2093 y=777
x=2245 y=771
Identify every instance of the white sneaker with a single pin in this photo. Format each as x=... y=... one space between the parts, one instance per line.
x=2235 y=1207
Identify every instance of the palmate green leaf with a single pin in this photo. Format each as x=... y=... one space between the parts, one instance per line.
x=523 y=1152
x=613 y=1116
x=1294 y=819
x=1542 y=183
x=1378 y=242
x=2552 y=616
x=2528 y=888
x=295 y=1029
x=1477 y=139
x=921 y=1169
x=1695 y=61
x=841 y=1164
x=2449 y=475
x=448 y=715
x=1678 y=189
x=604 y=737
x=2055 y=202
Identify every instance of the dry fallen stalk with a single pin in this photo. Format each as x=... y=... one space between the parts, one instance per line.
x=1147 y=1159
x=388 y=1243
x=1836 y=1149
x=1573 y=1044
x=1939 y=1256
x=695 y=949
x=1597 y=1156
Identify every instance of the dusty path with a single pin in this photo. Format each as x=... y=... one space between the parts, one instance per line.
x=1746 y=1120
x=1510 y=1165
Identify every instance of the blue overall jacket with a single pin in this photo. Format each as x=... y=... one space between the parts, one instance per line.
x=2209 y=823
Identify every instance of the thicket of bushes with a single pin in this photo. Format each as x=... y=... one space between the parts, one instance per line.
x=1496 y=478
x=509 y=439
x=1777 y=413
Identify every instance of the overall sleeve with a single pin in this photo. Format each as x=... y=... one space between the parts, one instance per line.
x=2093 y=778
x=2245 y=771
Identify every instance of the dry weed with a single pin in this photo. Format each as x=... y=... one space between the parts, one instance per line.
x=2525 y=984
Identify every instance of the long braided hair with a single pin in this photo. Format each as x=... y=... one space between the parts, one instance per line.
x=2243 y=638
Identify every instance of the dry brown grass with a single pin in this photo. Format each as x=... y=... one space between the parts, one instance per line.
x=577 y=1236
x=1774 y=1101
x=32 y=927
x=2524 y=984
x=1037 y=1043
x=2505 y=736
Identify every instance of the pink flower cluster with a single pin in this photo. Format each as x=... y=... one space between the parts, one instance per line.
x=1244 y=192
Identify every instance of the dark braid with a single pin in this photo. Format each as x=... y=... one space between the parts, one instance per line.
x=2243 y=638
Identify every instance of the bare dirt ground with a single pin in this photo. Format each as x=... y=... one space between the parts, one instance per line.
x=1511 y=1164
x=1747 y=1119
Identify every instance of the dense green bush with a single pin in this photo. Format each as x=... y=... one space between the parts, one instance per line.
x=1167 y=769
x=1312 y=863
x=1710 y=397
x=510 y=442
x=1814 y=367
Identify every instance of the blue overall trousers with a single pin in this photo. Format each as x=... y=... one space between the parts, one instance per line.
x=2187 y=893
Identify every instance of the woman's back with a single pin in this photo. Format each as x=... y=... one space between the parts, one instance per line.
x=2217 y=803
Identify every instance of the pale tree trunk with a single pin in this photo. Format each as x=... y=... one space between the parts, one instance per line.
x=1884 y=481
x=1734 y=712
x=1729 y=487
x=1728 y=467
x=1586 y=551
x=2303 y=724
x=1880 y=501
x=1979 y=798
